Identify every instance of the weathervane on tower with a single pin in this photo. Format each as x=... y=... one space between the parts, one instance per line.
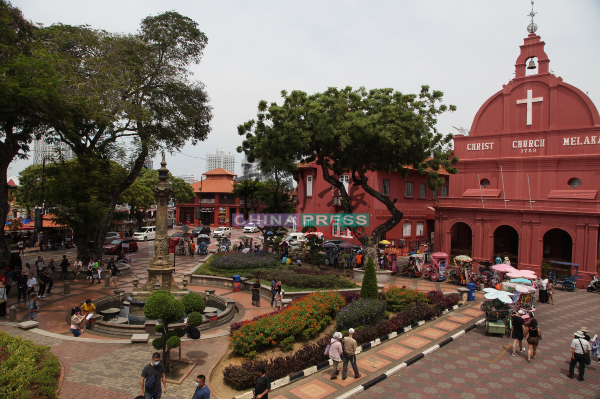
x=532 y=27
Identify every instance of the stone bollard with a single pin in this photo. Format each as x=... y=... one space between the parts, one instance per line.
x=67 y=288
x=150 y=325
x=463 y=294
x=106 y=282
x=12 y=314
x=209 y=292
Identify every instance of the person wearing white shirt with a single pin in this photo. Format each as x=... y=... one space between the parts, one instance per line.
x=31 y=282
x=90 y=265
x=77 y=268
x=579 y=346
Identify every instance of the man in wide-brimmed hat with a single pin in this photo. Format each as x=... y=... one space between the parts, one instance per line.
x=579 y=346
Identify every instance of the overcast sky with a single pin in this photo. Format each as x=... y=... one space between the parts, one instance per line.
x=467 y=49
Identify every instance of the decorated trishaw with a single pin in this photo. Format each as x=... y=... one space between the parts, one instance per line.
x=414 y=267
x=462 y=271
x=498 y=307
x=390 y=256
x=437 y=270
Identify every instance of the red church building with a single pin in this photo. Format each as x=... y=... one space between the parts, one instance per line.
x=415 y=200
x=527 y=185
x=214 y=204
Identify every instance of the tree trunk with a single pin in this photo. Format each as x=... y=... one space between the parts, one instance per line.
x=4 y=245
x=89 y=244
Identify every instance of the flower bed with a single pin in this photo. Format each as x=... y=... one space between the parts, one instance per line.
x=362 y=312
x=236 y=261
x=398 y=298
x=306 y=313
x=242 y=377
x=26 y=370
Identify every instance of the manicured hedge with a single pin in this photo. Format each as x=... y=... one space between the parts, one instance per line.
x=237 y=261
x=242 y=377
x=26 y=370
x=398 y=298
x=292 y=321
x=363 y=312
x=301 y=281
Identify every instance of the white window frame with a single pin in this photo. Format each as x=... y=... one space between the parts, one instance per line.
x=423 y=193
x=411 y=186
x=345 y=179
x=309 y=185
x=406 y=228
x=420 y=228
x=385 y=188
x=337 y=230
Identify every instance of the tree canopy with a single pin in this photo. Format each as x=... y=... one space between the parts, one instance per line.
x=355 y=131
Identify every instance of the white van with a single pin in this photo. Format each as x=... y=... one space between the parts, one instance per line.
x=146 y=233
x=294 y=237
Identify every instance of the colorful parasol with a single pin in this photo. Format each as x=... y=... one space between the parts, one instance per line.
x=463 y=258
x=385 y=242
x=492 y=294
x=524 y=273
x=503 y=268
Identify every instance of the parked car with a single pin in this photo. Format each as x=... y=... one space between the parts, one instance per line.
x=201 y=230
x=111 y=235
x=122 y=245
x=146 y=233
x=250 y=228
x=222 y=231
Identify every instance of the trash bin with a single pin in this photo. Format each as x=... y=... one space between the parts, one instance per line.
x=237 y=283
x=471 y=287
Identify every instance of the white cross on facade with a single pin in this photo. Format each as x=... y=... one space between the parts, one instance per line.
x=529 y=101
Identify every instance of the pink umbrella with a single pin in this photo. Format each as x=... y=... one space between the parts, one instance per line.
x=503 y=268
x=525 y=273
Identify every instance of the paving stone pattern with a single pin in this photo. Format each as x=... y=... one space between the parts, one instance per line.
x=479 y=366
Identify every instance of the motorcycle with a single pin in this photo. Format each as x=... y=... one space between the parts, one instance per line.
x=594 y=285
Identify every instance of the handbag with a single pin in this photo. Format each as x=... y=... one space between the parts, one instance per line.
x=586 y=356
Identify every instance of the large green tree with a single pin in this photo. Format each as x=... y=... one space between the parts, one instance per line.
x=29 y=96
x=247 y=191
x=127 y=91
x=355 y=131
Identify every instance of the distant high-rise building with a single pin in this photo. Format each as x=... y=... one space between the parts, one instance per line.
x=220 y=160
x=249 y=170
x=149 y=164
x=51 y=150
x=188 y=178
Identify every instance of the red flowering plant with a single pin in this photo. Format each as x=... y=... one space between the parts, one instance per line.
x=271 y=329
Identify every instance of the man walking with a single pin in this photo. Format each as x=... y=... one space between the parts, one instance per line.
x=31 y=282
x=64 y=264
x=50 y=279
x=263 y=383
x=21 y=287
x=517 y=331
x=273 y=291
x=349 y=345
x=202 y=391
x=39 y=265
x=152 y=376
x=95 y=273
x=112 y=268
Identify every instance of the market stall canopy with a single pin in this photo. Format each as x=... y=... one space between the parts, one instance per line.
x=503 y=296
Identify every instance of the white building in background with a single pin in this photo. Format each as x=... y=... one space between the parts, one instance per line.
x=149 y=164
x=220 y=160
x=188 y=178
x=249 y=170
x=52 y=150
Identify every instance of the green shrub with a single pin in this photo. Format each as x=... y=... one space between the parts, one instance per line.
x=193 y=302
x=27 y=370
x=173 y=342
x=194 y=319
x=398 y=298
x=162 y=305
x=369 y=289
x=159 y=343
x=287 y=344
x=361 y=312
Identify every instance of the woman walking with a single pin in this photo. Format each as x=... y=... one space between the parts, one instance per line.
x=77 y=321
x=256 y=293
x=533 y=339
x=335 y=353
x=579 y=347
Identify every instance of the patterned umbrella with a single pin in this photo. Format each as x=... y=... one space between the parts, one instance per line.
x=463 y=258
x=492 y=294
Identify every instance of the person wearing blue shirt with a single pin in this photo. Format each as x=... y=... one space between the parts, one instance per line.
x=202 y=391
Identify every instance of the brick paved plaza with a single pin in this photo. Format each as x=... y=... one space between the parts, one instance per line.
x=473 y=366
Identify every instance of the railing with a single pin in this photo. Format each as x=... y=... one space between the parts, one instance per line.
x=207 y=201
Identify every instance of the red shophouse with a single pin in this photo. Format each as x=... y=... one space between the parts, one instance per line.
x=415 y=200
x=214 y=204
x=528 y=182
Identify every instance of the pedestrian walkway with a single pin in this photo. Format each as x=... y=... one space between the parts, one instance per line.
x=383 y=357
